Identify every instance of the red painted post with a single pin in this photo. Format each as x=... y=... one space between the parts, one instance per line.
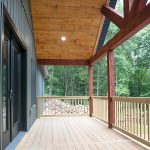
x=91 y=89
x=111 y=88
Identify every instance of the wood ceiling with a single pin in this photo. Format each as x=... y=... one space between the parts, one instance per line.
x=78 y=20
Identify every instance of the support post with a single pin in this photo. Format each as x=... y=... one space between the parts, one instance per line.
x=91 y=89
x=111 y=88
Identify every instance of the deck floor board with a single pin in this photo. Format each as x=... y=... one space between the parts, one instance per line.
x=74 y=133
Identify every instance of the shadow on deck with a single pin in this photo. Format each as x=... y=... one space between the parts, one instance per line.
x=74 y=133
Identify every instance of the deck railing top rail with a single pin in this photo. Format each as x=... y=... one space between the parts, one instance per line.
x=100 y=97
x=143 y=100
x=64 y=97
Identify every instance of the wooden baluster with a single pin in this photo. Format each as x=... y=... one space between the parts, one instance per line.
x=144 y=105
x=131 y=117
x=42 y=106
x=125 y=115
x=105 y=110
x=78 y=107
x=140 y=119
x=138 y=108
x=128 y=113
x=84 y=105
x=124 y=123
x=120 y=114
x=116 y=113
x=134 y=115
x=148 y=111
x=46 y=104
x=100 y=110
x=75 y=106
x=38 y=107
x=47 y=109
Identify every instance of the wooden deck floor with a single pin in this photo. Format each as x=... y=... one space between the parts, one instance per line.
x=74 y=133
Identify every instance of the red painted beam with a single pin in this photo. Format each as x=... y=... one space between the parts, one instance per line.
x=91 y=88
x=127 y=7
x=113 y=16
x=111 y=88
x=63 y=62
x=133 y=26
x=137 y=6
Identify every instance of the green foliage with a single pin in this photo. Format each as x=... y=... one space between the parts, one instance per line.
x=132 y=70
x=66 y=80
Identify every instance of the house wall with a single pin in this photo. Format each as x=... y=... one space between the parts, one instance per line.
x=19 y=11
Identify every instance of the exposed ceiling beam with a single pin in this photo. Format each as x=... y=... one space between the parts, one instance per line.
x=63 y=62
x=133 y=25
x=112 y=15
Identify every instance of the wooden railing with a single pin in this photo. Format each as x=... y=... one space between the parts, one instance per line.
x=100 y=107
x=66 y=106
x=132 y=116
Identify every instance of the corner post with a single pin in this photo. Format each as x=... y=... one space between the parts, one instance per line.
x=111 y=88
x=91 y=89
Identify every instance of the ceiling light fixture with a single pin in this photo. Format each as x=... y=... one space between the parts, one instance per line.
x=63 y=38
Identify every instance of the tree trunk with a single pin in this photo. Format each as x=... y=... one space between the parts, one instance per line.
x=51 y=81
x=66 y=82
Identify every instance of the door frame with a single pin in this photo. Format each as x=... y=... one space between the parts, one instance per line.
x=7 y=24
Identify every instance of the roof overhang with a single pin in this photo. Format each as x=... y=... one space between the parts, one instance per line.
x=79 y=21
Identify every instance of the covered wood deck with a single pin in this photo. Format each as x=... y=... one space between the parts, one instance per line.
x=75 y=133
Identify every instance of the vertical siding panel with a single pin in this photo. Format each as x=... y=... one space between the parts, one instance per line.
x=9 y=6
x=19 y=15
x=5 y=3
x=12 y=9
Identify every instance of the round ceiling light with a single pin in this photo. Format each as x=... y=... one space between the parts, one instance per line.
x=63 y=38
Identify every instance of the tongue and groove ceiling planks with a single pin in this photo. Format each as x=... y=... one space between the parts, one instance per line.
x=78 y=20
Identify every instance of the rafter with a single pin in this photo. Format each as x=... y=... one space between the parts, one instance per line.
x=63 y=62
x=112 y=15
x=132 y=26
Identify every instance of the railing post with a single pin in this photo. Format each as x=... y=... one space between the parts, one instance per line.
x=91 y=89
x=38 y=107
x=111 y=88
